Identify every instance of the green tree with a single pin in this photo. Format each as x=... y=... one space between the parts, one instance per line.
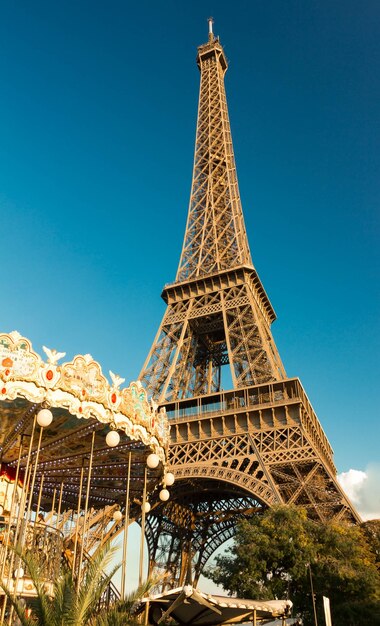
x=371 y=530
x=273 y=554
x=345 y=570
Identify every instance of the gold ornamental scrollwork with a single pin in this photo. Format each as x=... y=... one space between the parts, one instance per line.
x=80 y=387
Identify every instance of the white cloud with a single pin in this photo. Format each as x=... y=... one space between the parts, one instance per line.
x=363 y=489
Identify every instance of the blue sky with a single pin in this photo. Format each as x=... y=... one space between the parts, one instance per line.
x=98 y=110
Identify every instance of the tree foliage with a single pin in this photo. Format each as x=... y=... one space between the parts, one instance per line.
x=274 y=554
x=371 y=530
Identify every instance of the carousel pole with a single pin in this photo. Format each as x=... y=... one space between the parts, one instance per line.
x=28 y=471
x=20 y=510
x=8 y=534
x=39 y=497
x=59 y=503
x=7 y=538
x=86 y=509
x=44 y=418
x=5 y=497
x=87 y=521
x=126 y=525
x=152 y=462
x=6 y=488
x=104 y=517
x=142 y=530
x=30 y=500
x=53 y=501
x=25 y=484
x=78 y=513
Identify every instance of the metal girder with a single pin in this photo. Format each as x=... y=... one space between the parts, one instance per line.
x=194 y=526
x=184 y=354
x=215 y=236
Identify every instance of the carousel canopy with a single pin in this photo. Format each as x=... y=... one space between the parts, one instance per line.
x=82 y=402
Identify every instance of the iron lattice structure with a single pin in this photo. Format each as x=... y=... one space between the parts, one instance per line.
x=237 y=452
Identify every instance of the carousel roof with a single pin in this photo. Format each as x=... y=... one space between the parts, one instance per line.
x=83 y=402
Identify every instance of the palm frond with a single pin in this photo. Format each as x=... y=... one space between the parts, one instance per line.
x=70 y=605
x=94 y=583
x=64 y=599
x=122 y=612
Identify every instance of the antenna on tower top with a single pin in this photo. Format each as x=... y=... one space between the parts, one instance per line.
x=210 y=33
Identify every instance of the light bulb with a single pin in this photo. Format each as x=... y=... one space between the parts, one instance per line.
x=146 y=507
x=117 y=516
x=164 y=495
x=152 y=461
x=169 y=479
x=113 y=438
x=19 y=573
x=44 y=418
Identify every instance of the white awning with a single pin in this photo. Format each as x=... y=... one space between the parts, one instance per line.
x=188 y=605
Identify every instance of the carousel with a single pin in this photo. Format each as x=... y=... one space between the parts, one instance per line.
x=81 y=459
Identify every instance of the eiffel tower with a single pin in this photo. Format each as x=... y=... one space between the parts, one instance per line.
x=235 y=452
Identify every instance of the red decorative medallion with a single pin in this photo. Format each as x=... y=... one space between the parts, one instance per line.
x=49 y=375
x=7 y=362
x=113 y=398
x=3 y=390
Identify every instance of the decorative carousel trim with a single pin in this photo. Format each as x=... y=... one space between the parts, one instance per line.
x=80 y=387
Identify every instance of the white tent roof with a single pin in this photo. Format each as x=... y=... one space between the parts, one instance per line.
x=188 y=605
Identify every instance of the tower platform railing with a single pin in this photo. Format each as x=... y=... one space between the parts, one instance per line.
x=249 y=408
